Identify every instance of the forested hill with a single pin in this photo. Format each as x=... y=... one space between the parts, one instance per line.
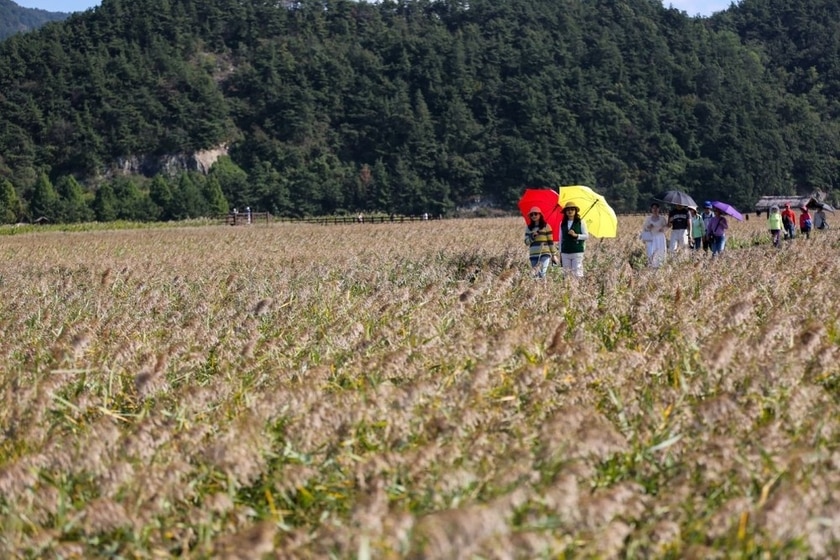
x=414 y=106
x=16 y=19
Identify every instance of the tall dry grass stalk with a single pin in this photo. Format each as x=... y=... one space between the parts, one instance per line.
x=408 y=391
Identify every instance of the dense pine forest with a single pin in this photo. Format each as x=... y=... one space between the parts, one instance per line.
x=331 y=106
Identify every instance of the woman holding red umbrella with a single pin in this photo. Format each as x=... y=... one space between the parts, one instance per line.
x=539 y=237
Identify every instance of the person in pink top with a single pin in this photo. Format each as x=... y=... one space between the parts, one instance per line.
x=717 y=232
x=805 y=222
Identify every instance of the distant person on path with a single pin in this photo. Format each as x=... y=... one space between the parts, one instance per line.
x=805 y=222
x=653 y=232
x=819 y=219
x=789 y=221
x=774 y=224
x=539 y=238
x=707 y=215
x=698 y=229
x=678 y=220
x=717 y=232
x=573 y=236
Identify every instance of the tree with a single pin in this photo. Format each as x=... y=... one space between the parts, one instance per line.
x=271 y=190
x=160 y=194
x=73 y=205
x=133 y=203
x=233 y=180
x=187 y=201
x=11 y=208
x=44 y=202
x=105 y=203
x=214 y=197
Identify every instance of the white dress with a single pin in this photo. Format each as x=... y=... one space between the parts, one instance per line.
x=657 y=246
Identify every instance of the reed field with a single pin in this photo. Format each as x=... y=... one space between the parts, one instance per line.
x=383 y=391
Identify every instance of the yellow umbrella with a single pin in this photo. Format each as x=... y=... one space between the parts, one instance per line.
x=599 y=218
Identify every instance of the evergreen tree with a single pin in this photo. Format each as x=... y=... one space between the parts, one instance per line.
x=105 y=204
x=187 y=201
x=11 y=208
x=133 y=203
x=73 y=205
x=271 y=191
x=44 y=202
x=160 y=194
x=214 y=197
x=233 y=180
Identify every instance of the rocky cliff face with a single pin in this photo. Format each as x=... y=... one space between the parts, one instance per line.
x=149 y=166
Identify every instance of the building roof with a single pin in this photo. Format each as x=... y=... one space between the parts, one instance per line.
x=814 y=200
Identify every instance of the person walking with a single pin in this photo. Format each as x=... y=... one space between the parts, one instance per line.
x=789 y=221
x=698 y=229
x=573 y=236
x=718 y=227
x=819 y=219
x=805 y=222
x=539 y=237
x=774 y=224
x=678 y=221
x=653 y=234
x=707 y=215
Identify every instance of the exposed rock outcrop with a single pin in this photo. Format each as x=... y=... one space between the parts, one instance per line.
x=149 y=166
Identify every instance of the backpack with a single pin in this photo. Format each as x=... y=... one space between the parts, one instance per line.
x=808 y=224
x=786 y=221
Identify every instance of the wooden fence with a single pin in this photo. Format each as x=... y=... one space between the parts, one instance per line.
x=245 y=218
x=329 y=220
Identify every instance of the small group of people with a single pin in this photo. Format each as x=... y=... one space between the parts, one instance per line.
x=688 y=229
x=782 y=224
x=704 y=231
x=543 y=252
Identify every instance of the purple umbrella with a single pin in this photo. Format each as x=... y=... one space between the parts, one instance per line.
x=728 y=210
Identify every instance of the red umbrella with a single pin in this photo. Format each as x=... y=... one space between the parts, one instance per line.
x=548 y=201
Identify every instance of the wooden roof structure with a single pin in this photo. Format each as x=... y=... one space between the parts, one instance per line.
x=813 y=200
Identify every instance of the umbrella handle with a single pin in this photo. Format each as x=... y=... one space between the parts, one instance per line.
x=588 y=209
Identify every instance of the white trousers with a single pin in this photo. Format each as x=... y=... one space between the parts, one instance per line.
x=572 y=263
x=679 y=240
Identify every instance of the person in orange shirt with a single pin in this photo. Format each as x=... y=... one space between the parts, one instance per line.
x=789 y=221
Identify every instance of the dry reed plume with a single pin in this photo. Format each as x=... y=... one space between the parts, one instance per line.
x=389 y=393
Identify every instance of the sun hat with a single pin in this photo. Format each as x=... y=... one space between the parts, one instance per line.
x=787 y=204
x=535 y=210
x=571 y=205
x=803 y=208
x=707 y=204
